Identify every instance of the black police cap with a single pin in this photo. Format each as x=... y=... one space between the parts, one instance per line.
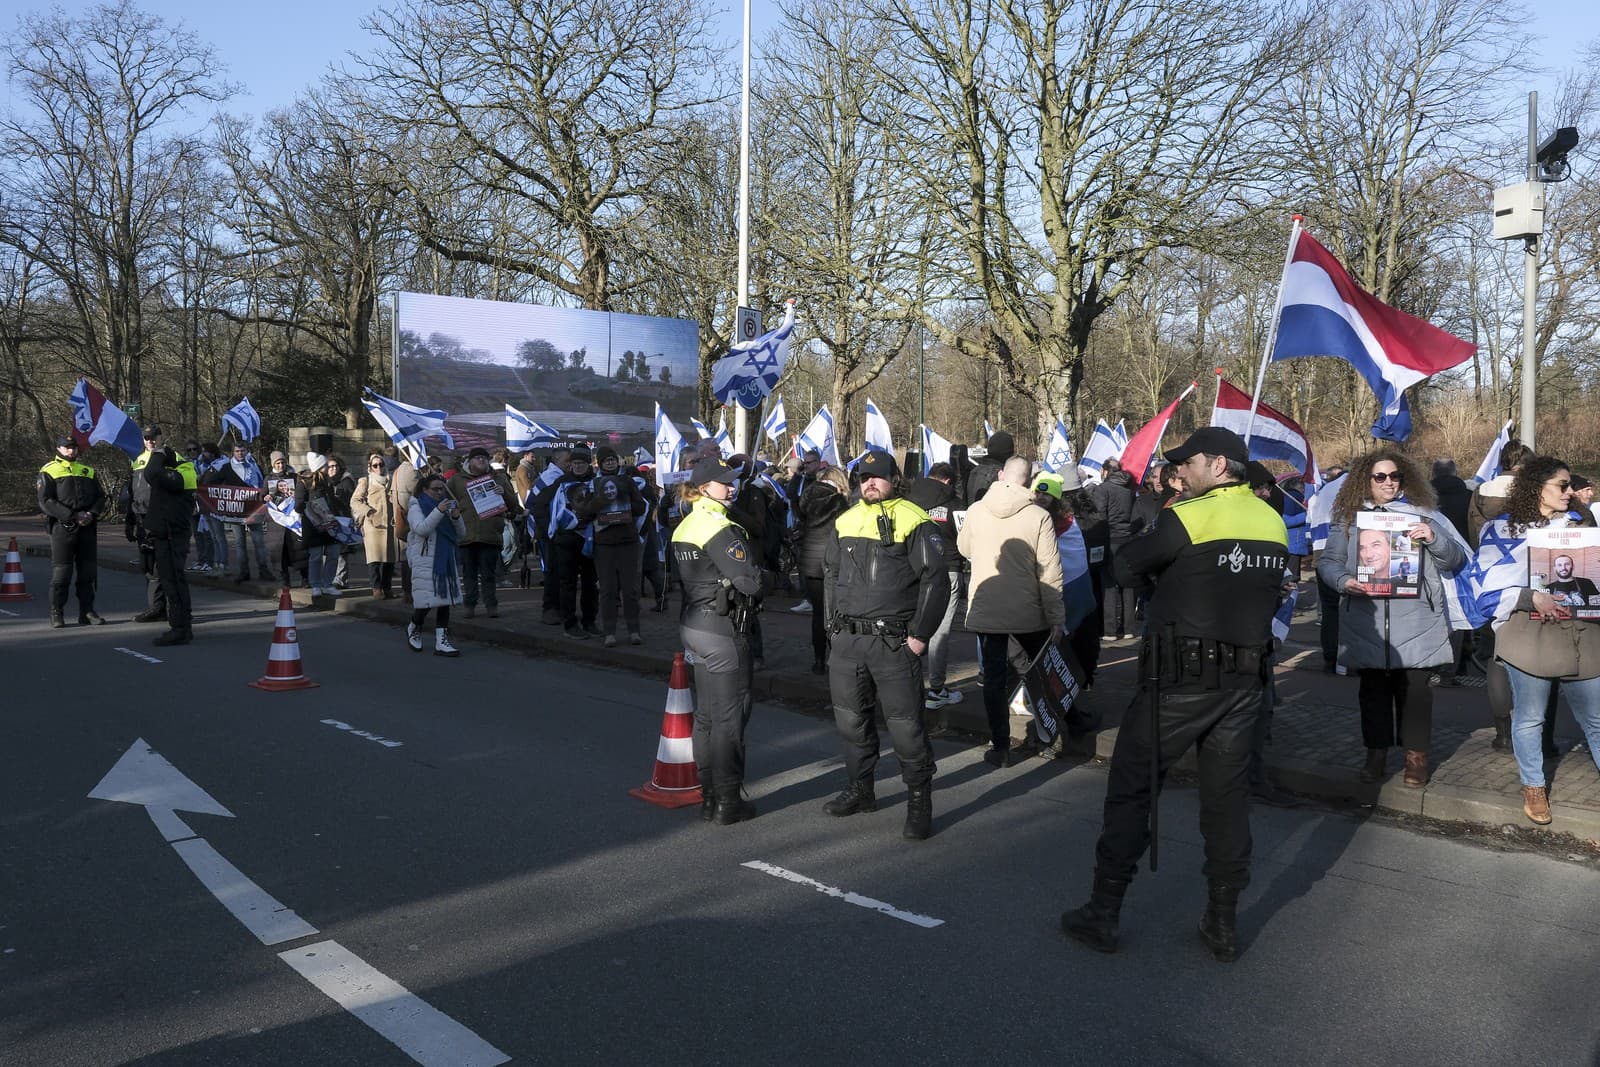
x=878 y=465
x=1212 y=441
x=714 y=470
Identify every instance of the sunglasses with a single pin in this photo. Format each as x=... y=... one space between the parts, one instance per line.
x=1385 y=476
x=1560 y=486
x=375 y=466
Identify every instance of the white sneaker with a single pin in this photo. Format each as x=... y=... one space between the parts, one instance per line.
x=413 y=638
x=332 y=591
x=802 y=608
x=441 y=643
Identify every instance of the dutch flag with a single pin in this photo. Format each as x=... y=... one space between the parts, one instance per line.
x=1272 y=434
x=96 y=419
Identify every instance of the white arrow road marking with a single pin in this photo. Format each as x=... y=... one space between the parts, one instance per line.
x=384 y=741
x=12 y=614
x=419 y=1030
x=135 y=655
x=848 y=897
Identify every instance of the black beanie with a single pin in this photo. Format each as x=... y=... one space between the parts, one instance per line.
x=1001 y=447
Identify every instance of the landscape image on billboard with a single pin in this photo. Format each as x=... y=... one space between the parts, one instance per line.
x=592 y=375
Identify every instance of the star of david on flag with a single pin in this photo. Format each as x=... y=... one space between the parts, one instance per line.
x=751 y=369
x=1058 y=451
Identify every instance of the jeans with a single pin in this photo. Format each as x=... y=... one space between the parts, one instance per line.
x=819 y=620
x=939 y=644
x=320 y=562
x=999 y=682
x=219 y=543
x=253 y=535
x=203 y=545
x=1528 y=697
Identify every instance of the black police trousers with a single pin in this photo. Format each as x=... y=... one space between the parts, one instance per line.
x=1221 y=724
x=169 y=556
x=722 y=702
x=867 y=673
x=72 y=549
x=155 y=597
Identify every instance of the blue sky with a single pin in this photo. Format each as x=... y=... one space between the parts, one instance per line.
x=277 y=49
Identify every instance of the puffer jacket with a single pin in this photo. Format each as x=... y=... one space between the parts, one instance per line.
x=1386 y=633
x=820 y=504
x=1016 y=566
x=420 y=548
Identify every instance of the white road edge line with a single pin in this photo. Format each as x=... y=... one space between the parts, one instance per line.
x=414 y=1026
x=13 y=614
x=136 y=655
x=924 y=921
x=258 y=910
x=386 y=742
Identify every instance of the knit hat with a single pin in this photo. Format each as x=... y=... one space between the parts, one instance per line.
x=1001 y=446
x=1049 y=484
x=476 y=452
x=315 y=461
x=275 y=456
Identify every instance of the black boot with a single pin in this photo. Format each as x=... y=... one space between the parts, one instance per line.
x=732 y=807
x=857 y=796
x=151 y=615
x=175 y=636
x=1217 y=927
x=1095 y=924
x=1502 y=734
x=708 y=799
x=56 y=619
x=89 y=617
x=919 y=812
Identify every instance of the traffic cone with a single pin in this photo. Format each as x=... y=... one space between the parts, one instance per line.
x=676 y=783
x=284 y=670
x=12 y=587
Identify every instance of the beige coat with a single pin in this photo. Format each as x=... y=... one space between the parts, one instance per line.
x=372 y=506
x=1016 y=568
x=403 y=483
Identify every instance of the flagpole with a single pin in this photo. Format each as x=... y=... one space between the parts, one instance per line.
x=740 y=419
x=1272 y=331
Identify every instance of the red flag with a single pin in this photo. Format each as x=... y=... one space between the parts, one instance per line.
x=1143 y=444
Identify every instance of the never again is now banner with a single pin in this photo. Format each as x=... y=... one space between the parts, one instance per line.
x=231 y=503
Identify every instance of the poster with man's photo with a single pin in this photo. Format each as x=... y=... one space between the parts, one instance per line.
x=1566 y=564
x=1388 y=561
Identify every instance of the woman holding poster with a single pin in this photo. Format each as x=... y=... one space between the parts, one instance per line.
x=1536 y=562
x=1387 y=553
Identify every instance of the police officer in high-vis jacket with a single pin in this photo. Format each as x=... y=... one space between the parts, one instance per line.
x=171 y=480
x=885 y=585
x=1218 y=559
x=71 y=498
x=722 y=583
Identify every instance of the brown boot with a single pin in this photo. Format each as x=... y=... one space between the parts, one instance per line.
x=1416 y=768
x=1536 y=804
x=1377 y=759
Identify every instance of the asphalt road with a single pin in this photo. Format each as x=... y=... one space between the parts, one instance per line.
x=493 y=866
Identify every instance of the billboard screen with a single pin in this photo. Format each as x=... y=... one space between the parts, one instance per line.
x=593 y=375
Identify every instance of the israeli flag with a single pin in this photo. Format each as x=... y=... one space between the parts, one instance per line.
x=700 y=428
x=818 y=437
x=642 y=455
x=1058 y=452
x=1285 y=616
x=1121 y=435
x=878 y=439
x=522 y=433
x=1103 y=445
x=562 y=517
x=283 y=513
x=1319 y=510
x=935 y=449
x=408 y=425
x=775 y=425
x=244 y=420
x=669 y=447
x=751 y=369
x=723 y=438
x=988 y=430
x=1490 y=467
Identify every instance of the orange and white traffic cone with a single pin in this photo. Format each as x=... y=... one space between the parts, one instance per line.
x=676 y=782
x=12 y=586
x=284 y=669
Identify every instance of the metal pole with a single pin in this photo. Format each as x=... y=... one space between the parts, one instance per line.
x=922 y=374
x=1272 y=332
x=1530 y=286
x=740 y=417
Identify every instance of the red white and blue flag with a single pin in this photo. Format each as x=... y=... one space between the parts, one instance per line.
x=1322 y=312
x=96 y=419
x=1272 y=434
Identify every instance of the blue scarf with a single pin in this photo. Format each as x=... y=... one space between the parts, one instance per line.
x=446 y=586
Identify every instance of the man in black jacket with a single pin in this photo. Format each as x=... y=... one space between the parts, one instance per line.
x=172 y=480
x=1115 y=495
x=937 y=496
x=1452 y=494
x=1001 y=448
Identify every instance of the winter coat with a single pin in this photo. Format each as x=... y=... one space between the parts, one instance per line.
x=1568 y=650
x=1454 y=499
x=939 y=500
x=491 y=530
x=1016 y=566
x=419 y=553
x=1148 y=508
x=614 y=505
x=1488 y=502
x=820 y=504
x=403 y=486
x=372 y=506
x=983 y=477
x=306 y=491
x=1391 y=633
x=1115 y=497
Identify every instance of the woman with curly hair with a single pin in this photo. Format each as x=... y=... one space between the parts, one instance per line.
x=1536 y=637
x=1393 y=643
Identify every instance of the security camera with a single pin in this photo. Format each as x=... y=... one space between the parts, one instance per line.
x=1552 y=154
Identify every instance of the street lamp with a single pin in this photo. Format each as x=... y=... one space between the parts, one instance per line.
x=1519 y=213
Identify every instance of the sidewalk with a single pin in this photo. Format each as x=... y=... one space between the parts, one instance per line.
x=1316 y=745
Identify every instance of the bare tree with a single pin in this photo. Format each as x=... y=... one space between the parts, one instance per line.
x=93 y=167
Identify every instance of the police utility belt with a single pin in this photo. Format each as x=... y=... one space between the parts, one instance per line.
x=851 y=624
x=1198 y=661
